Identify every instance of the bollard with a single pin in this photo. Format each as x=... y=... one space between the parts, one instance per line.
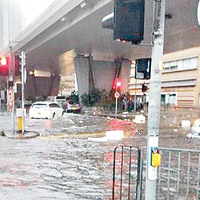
x=20 y=121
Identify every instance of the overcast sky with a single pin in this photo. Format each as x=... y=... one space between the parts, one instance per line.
x=32 y=9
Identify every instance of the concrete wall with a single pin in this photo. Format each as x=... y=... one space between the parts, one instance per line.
x=104 y=73
x=40 y=87
x=124 y=76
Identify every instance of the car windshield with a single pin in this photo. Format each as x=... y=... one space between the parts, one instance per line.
x=60 y=98
x=39 y=105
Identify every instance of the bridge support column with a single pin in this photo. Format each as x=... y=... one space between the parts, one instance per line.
x=92 y=74
x=82 y=74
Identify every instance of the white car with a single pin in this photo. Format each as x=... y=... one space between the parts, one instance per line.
x=46 y=110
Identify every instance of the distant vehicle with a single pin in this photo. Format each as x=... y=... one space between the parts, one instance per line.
x=45 y=110
x=27 y=103
x=60 y=100
x=71 y=106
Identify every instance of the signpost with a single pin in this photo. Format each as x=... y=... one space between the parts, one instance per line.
x=117 y=95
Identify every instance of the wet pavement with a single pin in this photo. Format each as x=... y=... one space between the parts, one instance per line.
x=53 y=169
x=62 y=164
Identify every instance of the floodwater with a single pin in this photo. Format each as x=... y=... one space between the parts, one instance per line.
x=60 y=169
x=63 y=164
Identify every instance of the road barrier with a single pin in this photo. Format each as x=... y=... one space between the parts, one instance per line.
x=178 y=176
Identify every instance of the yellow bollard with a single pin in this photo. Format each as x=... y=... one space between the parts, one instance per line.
x=19 y=123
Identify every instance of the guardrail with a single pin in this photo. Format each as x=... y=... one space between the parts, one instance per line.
x=178 y=176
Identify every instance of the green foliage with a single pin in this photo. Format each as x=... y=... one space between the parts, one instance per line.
x=102 y=99
x=91 y=99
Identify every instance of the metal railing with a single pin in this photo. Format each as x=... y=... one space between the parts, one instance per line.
x=178 y=176
x=127 y=167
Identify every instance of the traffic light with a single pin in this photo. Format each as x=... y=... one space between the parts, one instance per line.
x=4 y=66
x=17 y=65
x=117 y=84
x=144 y=88
x=129 y=20
x=143 y=68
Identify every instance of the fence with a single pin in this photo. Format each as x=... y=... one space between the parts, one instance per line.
x=178 y=176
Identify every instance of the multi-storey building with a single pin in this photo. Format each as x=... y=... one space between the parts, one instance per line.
x=11 y=22
x=180 y=79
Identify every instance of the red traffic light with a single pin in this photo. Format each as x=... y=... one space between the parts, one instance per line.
x=3 y=61
x=4 y=66
x=117 y=84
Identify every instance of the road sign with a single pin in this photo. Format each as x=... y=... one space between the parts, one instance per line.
x=117 y=95
x=10 y=98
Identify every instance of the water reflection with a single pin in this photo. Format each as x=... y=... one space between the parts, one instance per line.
x=66 y=169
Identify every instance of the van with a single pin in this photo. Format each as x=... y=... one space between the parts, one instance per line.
x=60 y=100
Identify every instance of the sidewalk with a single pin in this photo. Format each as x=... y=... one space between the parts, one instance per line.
x=6 y=126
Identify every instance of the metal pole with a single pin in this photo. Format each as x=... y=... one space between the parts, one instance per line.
x=11 y=78
x=135 y=95
x=22 y=79
x=154 y=95
x=116 y=107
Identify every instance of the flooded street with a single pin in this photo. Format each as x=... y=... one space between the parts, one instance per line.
x=63 y=163
x=54 y=169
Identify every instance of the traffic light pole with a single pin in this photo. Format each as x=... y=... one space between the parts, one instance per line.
x=11 y=79
x=116 y=107
x=135 y=101
x=154 y=96
x=23 y=57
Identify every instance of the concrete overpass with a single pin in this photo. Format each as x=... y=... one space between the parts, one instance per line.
x=76 y=25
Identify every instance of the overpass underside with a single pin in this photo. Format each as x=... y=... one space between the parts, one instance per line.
x=69 y=25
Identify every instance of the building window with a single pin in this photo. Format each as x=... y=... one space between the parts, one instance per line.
x=178 y=65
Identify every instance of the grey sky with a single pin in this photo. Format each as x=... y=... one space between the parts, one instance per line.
x=32 y=9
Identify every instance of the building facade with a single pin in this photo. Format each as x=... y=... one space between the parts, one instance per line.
x=180 y=79
x=11 y=19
